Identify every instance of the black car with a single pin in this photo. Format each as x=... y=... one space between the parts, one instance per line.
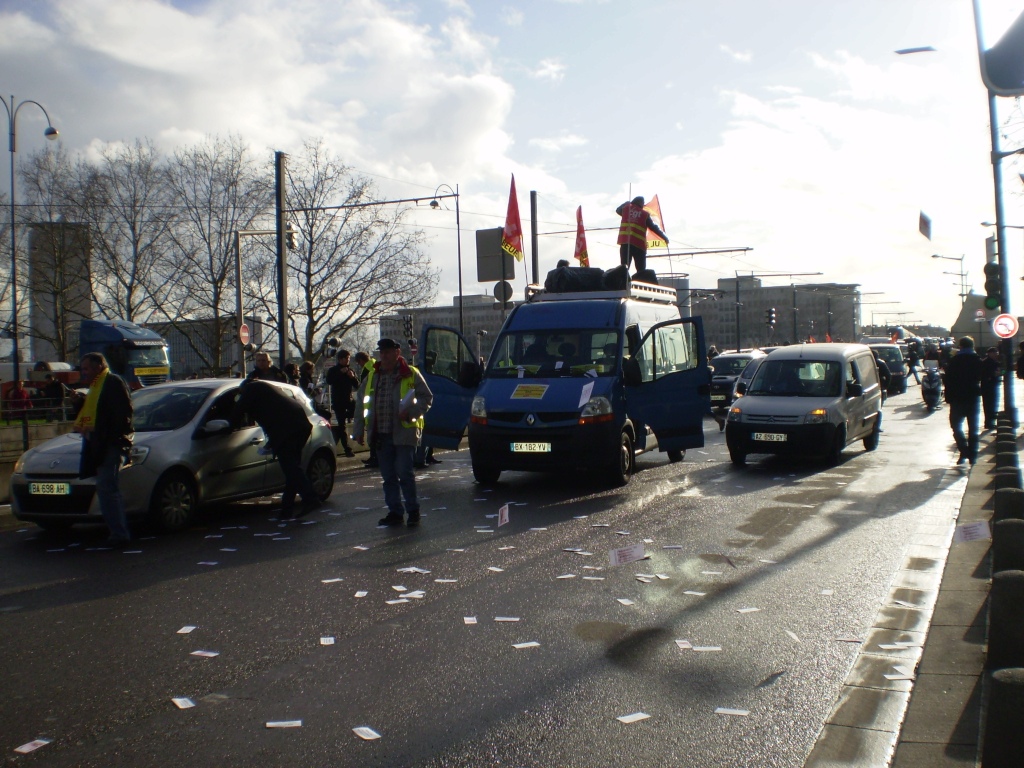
x=892 y=356
x=725 y=370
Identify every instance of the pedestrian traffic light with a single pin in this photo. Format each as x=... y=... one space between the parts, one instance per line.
x=993 y=286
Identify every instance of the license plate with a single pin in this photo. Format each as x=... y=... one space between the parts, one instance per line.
x=49 y=489
x=717 y=397
x=531 y=447
x=770 y=437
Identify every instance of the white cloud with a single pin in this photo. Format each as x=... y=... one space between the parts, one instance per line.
x=744 y=57
x=549 y=69
x=512 y=17
x=558 y=143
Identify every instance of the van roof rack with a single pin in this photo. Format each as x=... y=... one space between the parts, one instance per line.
x=657 y=294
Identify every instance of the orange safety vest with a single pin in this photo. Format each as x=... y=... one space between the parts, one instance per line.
x=633 y=227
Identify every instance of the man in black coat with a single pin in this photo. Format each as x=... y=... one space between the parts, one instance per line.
x=343 y=381
x=991 y=375
x=287 y=426
x=263 y=370
x=105 y=422
x=962 y=385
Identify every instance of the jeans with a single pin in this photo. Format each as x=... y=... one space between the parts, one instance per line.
x=913 y=370
x=341 y=431
x=990 y=402
x=396 y=471
x=108 y=492
x=958 y=411
x=289 y=456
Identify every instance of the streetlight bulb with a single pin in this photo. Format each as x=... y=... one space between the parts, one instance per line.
x=51 y=133
x=434 y=204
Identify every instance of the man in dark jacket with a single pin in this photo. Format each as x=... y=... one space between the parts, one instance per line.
x=962 y=385
x=991 y=375
x=105 y=422
x=287 y=426
x=263 y=370
x=343 y=382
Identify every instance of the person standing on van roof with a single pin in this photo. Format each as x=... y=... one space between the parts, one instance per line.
x=633 y=233
x=962 y=385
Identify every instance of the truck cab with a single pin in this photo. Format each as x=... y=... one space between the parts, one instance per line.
x=137 y=354
x=584 y=380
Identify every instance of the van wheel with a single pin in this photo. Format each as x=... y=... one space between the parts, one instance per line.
x=174 y=502
x=675 y=456
x=739 y=458
x=321 y=474
x=622 y=469
x=871 y=441
x=835 y=454
x=486 y=474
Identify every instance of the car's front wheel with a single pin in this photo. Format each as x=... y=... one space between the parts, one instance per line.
x=321 y=472
x=675 y=456
x=174 y=501
x=622 y=470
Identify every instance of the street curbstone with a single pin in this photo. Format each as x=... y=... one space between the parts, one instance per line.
x=1008 y=546
x=1006 y=620
x=1003 y=740
x=1009 y=504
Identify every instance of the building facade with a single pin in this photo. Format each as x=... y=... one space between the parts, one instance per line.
x=482 y=316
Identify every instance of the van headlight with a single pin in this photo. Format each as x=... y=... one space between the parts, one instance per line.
x=138 y=454
x=735 y=414
x=19 y=465
x=596 y=410
x=478 y=411
x=817 y=416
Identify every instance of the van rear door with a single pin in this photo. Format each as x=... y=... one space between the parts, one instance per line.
x=453 y=375
x=674 y=390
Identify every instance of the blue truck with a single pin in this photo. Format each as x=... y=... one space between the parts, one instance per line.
x=137 y=354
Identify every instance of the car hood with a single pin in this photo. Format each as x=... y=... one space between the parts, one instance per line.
x=762 y=405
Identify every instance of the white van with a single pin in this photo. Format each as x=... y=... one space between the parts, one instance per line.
x=809 y=399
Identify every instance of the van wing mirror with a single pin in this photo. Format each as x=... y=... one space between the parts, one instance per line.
x=741 y=388
x=853 y=389
x=631 y=372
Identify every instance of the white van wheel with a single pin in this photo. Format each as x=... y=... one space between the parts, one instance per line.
x=622 y=469
x=835 y=454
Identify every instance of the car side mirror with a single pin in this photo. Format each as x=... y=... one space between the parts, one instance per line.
x=216 y=426
x=631 y=372
x=854 y=390
x=741 y=388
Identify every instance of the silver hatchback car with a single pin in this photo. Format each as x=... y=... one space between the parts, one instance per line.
x=184 y=455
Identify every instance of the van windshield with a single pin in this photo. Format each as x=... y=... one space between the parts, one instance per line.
x=561 y=352
x=797 y=378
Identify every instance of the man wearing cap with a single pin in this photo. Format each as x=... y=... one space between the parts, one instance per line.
x=391 y=402
x=962 y=386
x=633 y=233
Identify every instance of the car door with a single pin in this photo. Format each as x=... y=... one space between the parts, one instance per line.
x=674 y=390
x=229 y=464
x=453 y=375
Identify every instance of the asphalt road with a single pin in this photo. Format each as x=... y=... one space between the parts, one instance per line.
x=91 y=657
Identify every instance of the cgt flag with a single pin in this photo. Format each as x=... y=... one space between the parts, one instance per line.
x=654 y=208
x=512 y=235
x=581 y=240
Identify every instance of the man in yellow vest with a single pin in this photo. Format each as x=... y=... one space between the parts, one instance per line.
x=633 y=233
x=390 y=405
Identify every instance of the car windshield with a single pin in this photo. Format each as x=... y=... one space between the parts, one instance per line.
x=148 y=356
x=561 y=352
x=891 y=355
x=728 y=366
x=166 y=408
x=797 y=378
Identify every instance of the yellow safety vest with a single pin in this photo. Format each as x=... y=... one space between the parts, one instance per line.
x=405 y=384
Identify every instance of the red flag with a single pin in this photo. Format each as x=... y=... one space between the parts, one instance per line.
x=828 y=337
x=654 y=208
x=512 y=236
x=581 y=240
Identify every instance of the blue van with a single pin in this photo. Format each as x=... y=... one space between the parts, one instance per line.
x=584 y=380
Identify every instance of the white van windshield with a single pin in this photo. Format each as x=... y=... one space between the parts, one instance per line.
x=797 y=378
x=561 y=352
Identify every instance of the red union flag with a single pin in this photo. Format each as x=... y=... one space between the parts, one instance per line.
x=581 y=240
x=512 y=236
x=654 y=208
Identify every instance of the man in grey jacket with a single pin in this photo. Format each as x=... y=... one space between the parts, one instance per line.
x=390 y=405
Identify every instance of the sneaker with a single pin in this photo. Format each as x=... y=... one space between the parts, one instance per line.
x=392 y=519
x=349 y=455
x=414 y=519
x=962 y=460
x=432 y=460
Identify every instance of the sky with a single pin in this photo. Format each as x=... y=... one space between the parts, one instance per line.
x=788 y=127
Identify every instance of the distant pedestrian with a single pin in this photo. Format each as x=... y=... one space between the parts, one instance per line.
x=884 y=374
x=306 y=382
x=392 y=400
x=633 y=228
x=291 y=372
x=263 y=370
x=288 y=428
x=104 y=421
x=962 y=384
x=363 y=365
x=991 y=375
x=343 y=382
x=914 y=359
x=1020 y=360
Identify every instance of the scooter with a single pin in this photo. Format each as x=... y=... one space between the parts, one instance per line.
x=931 y=388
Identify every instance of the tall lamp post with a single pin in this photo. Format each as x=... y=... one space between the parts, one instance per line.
x=239 y=320
x=963 y=275
x=51 y=133
x=458 y=241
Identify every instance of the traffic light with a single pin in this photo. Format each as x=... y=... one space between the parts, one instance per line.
x=769 y=317
x=993 y=286
x=290 y=233
x=407 y=325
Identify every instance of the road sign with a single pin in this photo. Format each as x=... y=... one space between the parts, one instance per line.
x=503 y=291
x=243 y=333
x=1005 y=326
x=979 y=314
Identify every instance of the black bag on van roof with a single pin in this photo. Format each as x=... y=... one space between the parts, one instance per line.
x=574 y=279
x=617 y=278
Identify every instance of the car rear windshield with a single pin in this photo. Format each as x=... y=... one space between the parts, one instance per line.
x=562 y=352
x=729 y=366
x=891 y=355
x=166 y=408
x=797 y=378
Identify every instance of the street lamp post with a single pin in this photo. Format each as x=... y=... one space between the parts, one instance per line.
x=50 y=133
x=458 y=243
x=963 y=275
x=239 y=234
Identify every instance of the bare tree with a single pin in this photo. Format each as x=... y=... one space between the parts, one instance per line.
x=355 y=262
x=218 y=189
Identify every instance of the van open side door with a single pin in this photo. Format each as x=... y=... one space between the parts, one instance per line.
x=453 y=374
x=668 y=384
